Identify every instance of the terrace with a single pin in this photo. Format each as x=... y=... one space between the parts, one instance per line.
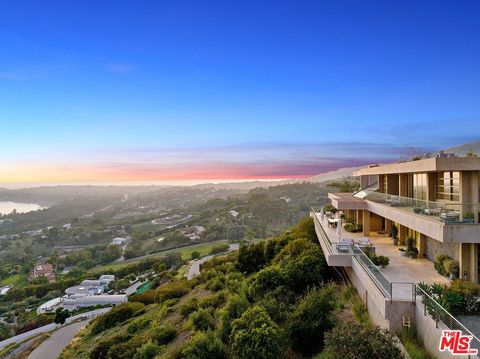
x=395 y=280
x=443 y=212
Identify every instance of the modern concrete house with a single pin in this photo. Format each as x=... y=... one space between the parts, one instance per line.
x=435 y=202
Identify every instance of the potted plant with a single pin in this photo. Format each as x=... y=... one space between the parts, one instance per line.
x=394 y=234
x=413 y=253
x=468 y=217
x=383 y=261
x=451 y=267
x=402 y=252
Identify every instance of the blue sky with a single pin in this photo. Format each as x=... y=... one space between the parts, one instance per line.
x=264 y=89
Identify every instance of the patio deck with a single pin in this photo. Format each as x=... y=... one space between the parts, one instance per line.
x=400 y=269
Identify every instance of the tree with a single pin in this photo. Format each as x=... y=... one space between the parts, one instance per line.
x=110 y=253
x=268 y=280
x=311 y=319
x=346 y=184
x=195 y=255
x=173 y=260
x=61 y=316
x=357 y=341
x=5 y=331
x=254 y=335
x=251 y=257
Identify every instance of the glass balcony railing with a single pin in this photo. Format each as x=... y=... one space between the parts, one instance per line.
x=448 y=213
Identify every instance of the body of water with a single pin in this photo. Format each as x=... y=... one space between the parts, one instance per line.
x=8 y=207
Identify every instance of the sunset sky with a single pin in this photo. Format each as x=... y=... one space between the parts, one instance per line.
x=217 y=90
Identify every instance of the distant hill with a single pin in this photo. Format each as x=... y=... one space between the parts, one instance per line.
x=332 y=175
x=461 y=150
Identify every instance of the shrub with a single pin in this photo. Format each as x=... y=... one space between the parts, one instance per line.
x=310 y=319
x=146 y=298
x=254 y=335
x=251 y=257
x=268 y=279
x=172 y=290
x=138 y=325
x=213 y=301
x=147 y=351
x=195 y=255
x=329 y=208
x=383 y=261
x=117 y=315
x=204 y=345
x=163 y=334
x=307 y=270
x=219 y=248
x=234 y=309
x=215 y=284
x=357 y=341
x=189 y=307
x=438 y=263
x=203 y=319
x=451 y=267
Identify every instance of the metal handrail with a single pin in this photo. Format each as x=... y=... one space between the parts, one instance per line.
x=441 y=314
x=324 y=235
x=386 y=287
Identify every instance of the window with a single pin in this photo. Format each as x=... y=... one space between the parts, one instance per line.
x=448 y=186
x=420 y=186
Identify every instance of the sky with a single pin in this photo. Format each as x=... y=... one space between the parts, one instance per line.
x=104 y=91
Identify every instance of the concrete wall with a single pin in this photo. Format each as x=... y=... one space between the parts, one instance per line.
x=371 y=296
x=434 y=247
x=430 y=334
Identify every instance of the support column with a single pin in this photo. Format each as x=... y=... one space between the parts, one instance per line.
x=464 y=259
x=366 y=223
x=402 y=234
x=359 y=216
x=388 y=226
x=422 y=246
x=474 y=262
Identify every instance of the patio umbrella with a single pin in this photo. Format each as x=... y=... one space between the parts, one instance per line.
x=321 y=214
x=339 y=228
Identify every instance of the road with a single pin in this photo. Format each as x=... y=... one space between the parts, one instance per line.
x=53 y=346
x=194 y=269
x=50 y=327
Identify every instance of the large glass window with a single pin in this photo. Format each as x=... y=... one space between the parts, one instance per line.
x=448 y=186
x=420 y=186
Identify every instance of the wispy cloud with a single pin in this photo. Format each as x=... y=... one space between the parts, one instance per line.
x=233 y=162
x=121 y=68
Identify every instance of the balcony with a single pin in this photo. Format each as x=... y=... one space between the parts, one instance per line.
x=443 y=212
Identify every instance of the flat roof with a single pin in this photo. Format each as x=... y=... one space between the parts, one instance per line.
x=436 y=164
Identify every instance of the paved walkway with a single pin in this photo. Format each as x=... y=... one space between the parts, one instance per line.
x=50 y=327
x=53 y=346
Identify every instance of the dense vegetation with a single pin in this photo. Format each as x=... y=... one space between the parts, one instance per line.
x=270 y=299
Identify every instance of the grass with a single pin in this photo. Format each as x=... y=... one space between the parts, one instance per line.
x=359 y=310
x=414 y=347
x=185 y=252
x=13 y=279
